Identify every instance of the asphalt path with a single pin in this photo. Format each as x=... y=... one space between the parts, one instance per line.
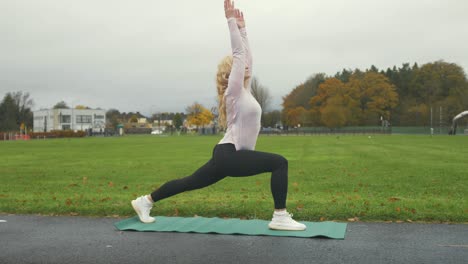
x=69 y=240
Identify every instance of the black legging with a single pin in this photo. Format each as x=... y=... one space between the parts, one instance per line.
x=226 y=161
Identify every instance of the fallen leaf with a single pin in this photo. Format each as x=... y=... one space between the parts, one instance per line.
x=398 y=209
x=111 y=184
x=323 y=218
x=68 y=202
x=409 y=220
x=74 y=214
x=393 y=199
x=105 y=199
x=399 y=221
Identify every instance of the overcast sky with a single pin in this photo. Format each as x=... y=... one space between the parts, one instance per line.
x=154 y=55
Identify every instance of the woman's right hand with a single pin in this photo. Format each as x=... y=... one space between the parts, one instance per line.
x=240 y=19
x=229 y=9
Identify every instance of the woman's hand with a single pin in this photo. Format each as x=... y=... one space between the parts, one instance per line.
x=229 y=9
x=240 y=19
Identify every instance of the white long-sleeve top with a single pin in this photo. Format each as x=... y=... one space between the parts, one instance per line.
x=243 y=113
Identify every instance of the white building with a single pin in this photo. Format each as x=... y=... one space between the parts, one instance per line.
x=69 y=119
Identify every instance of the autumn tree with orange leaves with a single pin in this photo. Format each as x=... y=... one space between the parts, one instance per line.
x=362 y=100
x=198 y=115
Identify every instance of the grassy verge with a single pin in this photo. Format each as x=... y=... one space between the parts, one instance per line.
x=382 y=178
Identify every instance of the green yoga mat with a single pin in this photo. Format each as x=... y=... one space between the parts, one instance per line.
x=231 y=226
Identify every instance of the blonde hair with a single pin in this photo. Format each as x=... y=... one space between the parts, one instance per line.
x=222 y=78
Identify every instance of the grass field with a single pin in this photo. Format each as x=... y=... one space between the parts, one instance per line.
x=382 y=178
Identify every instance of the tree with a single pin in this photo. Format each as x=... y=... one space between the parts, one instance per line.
x=300 y=97
x=81 y=107
x=375 y=96
x=9 y=114
x=198 y=115
x=61 y=105
x=177 y=120
x=24 y=103
x=270 y=119
x=332 y=97
x=344 y=75
x=260 y=93
x=334 y=114
x=295 y=116
x=113 y=118
x=441 y=84
x=420 y=114
x=134 y=119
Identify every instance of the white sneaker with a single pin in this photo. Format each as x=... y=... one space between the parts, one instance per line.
x=143 y=207
x=284 y=221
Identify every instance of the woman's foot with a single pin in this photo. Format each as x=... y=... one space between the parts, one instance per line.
x=143 y=207
x=283 y=221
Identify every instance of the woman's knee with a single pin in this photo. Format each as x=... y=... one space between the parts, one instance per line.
x=281 y=161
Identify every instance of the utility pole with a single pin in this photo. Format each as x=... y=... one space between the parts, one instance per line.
x=440 y=120
x=431 y=117
x=432 y=127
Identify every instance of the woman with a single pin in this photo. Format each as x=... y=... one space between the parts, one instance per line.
x=234 y=155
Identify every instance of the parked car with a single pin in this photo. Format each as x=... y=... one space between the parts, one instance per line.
x=156 y=132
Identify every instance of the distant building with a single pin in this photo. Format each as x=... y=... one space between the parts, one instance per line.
x=142 y=120
x=69 y=119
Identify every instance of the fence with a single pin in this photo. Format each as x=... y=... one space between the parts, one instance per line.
x=364 y=131
x=14 y=136
x=328 y=131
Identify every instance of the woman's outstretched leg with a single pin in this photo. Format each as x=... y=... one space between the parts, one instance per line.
x=204 y=176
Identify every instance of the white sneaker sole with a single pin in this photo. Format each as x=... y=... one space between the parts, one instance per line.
x=137 y=210
x=285 y=228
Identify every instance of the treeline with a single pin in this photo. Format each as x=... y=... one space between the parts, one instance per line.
x=400 y=96
x=115 y=117
x=15 y=112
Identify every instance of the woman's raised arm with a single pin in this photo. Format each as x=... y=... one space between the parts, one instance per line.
x=236 y=77
x=245 y=42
